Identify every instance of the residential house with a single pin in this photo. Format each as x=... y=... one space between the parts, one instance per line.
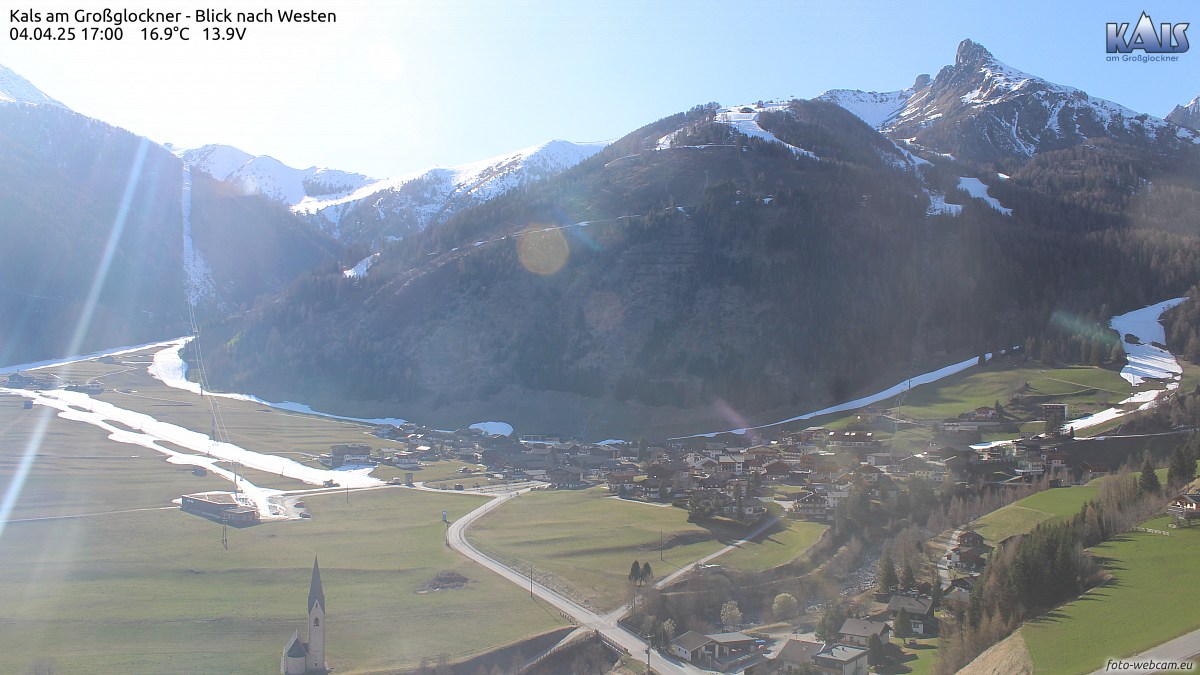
x=565 y=477
x=343 y=454
x=858 y=632
x=811 y=506
x=621 y=482
x=777 y=470
x=1090 y=471
x=1031 y=466
x=709 y=649
x=795 y=654
x=879 y=458
x=920 y=613
x=841 y=660
x=851 y=439
x=1185 y=506
x=970 y=538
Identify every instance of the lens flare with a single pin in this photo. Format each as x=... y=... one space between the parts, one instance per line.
x=1074 y=325
x=543 y=250
x=17 y=482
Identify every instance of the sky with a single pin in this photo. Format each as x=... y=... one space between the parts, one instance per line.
x=398 y=86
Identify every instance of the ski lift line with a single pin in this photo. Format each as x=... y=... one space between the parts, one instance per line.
x=219 y=431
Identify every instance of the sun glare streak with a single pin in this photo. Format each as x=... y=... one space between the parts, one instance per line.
x=17 y=483
x=23 y=468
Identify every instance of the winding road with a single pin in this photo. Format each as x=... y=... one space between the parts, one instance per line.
x=606 y=624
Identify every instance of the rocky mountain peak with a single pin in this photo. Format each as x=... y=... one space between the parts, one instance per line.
x=972 y=54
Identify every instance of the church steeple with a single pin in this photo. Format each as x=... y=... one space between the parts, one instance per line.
x=316 y=594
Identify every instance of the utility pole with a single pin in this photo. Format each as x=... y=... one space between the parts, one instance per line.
x=660 y=546
x=648 y=636
x=531 y=581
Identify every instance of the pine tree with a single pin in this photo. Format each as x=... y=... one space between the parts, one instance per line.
x=1182 y=469
x=875 y=655
x=887 y=574
x=903 y=627
x=635 y=572
x=909 y=579
x=1148 y=483
x=647 y=573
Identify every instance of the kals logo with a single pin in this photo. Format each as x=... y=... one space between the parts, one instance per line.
x=1169 y=39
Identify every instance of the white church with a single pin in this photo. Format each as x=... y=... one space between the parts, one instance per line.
x=299 y=656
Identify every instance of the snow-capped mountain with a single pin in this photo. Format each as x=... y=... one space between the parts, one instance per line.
x=16 y=89
x=877 y=109
x=1186 y=115
x=355 y=207
x=984 y=110
x=268 y=176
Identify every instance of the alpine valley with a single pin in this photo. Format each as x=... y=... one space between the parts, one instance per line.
x=722 y=266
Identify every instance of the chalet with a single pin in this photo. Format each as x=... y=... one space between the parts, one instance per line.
x=841 y=660
x=967 y=557
x=658 y=489
x=343 y=454
x=812 y=434
x=858 y=632
x=920 y=613
x=796 y=654
x=1031 y=467
x=819 y=464
x=957 y=595
x=777 y=470
x=811 y=506
x=749 y=511
x=867 y=472
x=1090 y=471
x=970 y=538
x=1185 y=506
x=1055 y=460
x=620 y=482
x=565 y=477
x=851 y=439
x=706 y=649
x=691 y=646
x=879 y=458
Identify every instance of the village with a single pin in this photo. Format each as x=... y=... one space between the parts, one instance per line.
x=803 y=475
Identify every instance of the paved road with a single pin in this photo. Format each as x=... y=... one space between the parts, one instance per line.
x=606 y=625
x=737 y=544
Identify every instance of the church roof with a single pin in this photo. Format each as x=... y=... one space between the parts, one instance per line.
x=295 y=648
x=316 y=594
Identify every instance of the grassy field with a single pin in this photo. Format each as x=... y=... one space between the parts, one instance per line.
x=1023 y=515
x=925 y=656
x=1081 y=387
x=112 y=578
x=774 y=548
x=586 y=540
x=1151 y=599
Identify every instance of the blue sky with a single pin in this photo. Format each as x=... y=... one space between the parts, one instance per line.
x=399 y=86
